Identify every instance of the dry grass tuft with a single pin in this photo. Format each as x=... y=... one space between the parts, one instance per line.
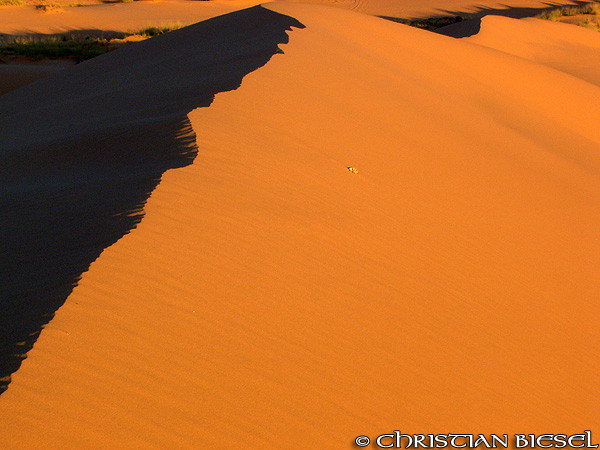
x=73 y=47
x=592 y=8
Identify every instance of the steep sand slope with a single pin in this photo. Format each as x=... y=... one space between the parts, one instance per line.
x=272 y=299
x=568 y=48
x=81 y=152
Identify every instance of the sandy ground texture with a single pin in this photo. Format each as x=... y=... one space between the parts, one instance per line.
x=93 y=18
x=271 y=298
x=123 y=17
x=543 y=41
x=139 y=14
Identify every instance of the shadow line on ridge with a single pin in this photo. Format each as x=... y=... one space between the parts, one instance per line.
x=81 y=152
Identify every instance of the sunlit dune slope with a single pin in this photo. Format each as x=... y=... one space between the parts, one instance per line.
x=82 y=150
x=271 y=298
x=132 y=16
x=568 y=48
x=430 y=8
x=123 y=17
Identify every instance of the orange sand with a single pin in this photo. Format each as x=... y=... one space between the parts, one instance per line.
x=554 y=44
x=124 y=17
x=140 y=14
x=270 y=298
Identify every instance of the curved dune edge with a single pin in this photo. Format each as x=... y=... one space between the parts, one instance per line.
x=571 y=49
x=96 y=142
x=271 y=298
x=133 y=16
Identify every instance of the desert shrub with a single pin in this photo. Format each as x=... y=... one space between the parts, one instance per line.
x=74 y=47
x=157 y=30
x=592 y=8
x=431 y=23
x=54 y=48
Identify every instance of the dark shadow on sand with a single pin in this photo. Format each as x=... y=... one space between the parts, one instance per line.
x=81 y=152
x=458 y=24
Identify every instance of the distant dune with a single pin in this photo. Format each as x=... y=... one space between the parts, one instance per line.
x=554 y=44
x=228 y=282
x=130 y=16
x=109 y=17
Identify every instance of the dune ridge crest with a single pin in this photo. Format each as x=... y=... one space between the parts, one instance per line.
x=568 y=48
x=97 y=141
x=272 y=298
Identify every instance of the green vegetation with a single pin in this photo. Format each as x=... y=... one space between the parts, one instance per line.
x=77 y=48
x=11 y=2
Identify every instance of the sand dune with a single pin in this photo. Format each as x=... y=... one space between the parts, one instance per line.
x=13 y=76
x=271 y=298
x=124 y=17
x=132 y=16
x=408 y=8
x=427 y=8
x=82 y=150
x=568 y=48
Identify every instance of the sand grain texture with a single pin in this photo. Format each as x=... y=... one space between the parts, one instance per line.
x=122 y=17
x=269 y=298
x=570 y=49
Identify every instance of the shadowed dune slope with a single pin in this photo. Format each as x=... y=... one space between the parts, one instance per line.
x=81 y=151
x=13 y=76
x=568 y=48
x=462 y=29
x=271 y=298
x=411 y=9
